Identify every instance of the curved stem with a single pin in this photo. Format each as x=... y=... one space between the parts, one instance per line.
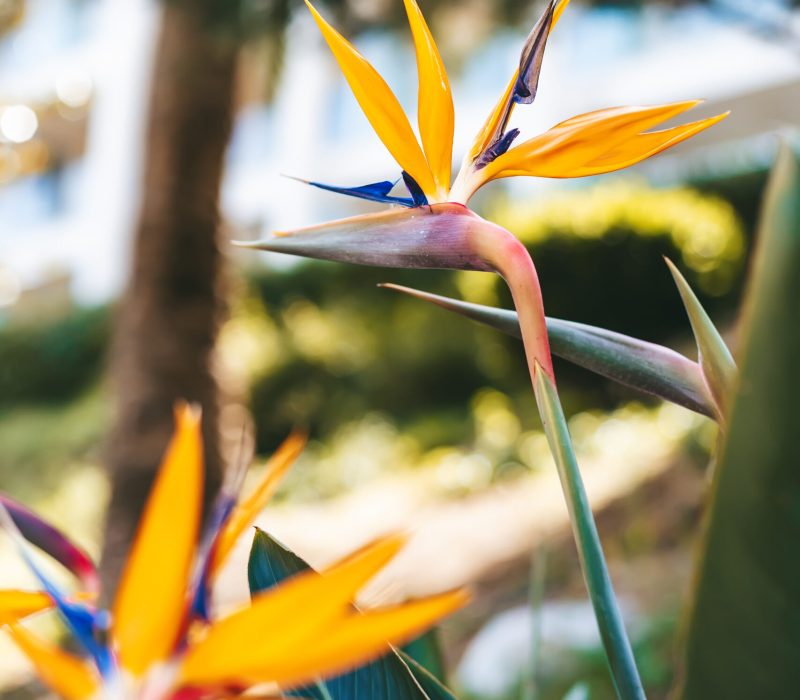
x=512 y=260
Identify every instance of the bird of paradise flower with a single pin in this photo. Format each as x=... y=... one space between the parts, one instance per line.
x=159 y=640
x=432 y=227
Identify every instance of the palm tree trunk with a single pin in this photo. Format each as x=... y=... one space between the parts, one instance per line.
x=168 y=320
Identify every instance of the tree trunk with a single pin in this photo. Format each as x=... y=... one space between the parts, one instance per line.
x=164 y=337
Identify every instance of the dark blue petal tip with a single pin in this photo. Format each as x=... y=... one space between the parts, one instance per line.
x=498 y=148
x=373 y=192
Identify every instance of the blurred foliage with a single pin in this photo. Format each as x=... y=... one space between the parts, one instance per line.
x=703 y=228
x=52 y=361
x=246 y=18
x=263 y=22
x=654 y=652
x=40 y=445
x=609 y=239
x=744 y=191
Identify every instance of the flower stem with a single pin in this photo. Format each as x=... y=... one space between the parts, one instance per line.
x=512 y=260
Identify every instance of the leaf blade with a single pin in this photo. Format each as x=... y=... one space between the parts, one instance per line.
x=744 y=620
x=236 y=644
x=387 y=677
x=716 y=361
x=644 y=366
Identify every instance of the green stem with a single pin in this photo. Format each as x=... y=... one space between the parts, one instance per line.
x=513 y=262
x=538 y=574
x=590 y=551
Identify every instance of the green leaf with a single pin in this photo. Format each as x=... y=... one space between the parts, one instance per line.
x=427 y=652
x=595 y=572
x=715 y=359
x=647 y=367
x=270 y=563
x=431 y=685
x=744 y=624
x=386 y=678
x=536 y=590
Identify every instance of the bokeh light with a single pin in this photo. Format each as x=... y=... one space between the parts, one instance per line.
x=18 y=123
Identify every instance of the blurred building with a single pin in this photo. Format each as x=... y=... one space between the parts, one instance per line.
x=74 y=87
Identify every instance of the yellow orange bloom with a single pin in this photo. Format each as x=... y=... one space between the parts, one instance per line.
x=588 y=144
x=162 y=643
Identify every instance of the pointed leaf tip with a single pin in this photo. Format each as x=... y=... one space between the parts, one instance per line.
x=715 y=359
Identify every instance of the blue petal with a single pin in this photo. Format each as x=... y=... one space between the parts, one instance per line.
x=219 y=516
x=224 y=505
x=87 y=625
x=374 y=192
x=498 y=148
x=418 y=197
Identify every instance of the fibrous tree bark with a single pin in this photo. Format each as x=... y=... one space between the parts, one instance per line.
x=168 y=319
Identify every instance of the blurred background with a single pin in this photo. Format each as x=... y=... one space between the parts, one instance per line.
x=137 y=138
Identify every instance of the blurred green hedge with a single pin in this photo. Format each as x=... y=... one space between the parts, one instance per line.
x=52 y=361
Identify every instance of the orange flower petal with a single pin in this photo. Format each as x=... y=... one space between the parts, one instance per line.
x=14 y=605
x=644 y=146
x=67 y=675
x=285 y=617
x=560 y=7
x=151 y=601
x=246 y=511
x=594 y=143
x=435 y=112
x=379 y=105
x=355 y=640
x=500 y=115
